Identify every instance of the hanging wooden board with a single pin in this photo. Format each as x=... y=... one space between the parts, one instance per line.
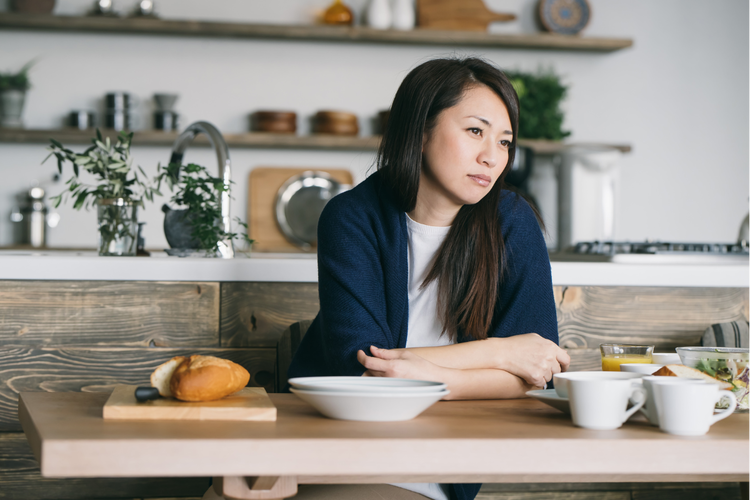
x=462 y=15
x=249 y=404
x=263 y=185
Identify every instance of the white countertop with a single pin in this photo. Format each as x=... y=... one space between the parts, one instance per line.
x=62 y=265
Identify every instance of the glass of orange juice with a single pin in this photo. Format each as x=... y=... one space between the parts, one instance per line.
x=613 y=355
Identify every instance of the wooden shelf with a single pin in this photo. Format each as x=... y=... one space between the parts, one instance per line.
x=146 y=26
x=255 y=140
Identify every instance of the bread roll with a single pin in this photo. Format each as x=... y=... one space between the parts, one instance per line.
x=687 y=372
x=206 y=378
x=162 y=376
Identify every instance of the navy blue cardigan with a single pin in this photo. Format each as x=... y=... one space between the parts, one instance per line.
x=363 y=284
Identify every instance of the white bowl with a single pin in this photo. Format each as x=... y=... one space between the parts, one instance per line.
x=561 y=379
x=644 y=368
x=368 y=406
x=366 y=384
x=666 y=358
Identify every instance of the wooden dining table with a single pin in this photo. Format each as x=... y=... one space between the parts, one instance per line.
x=499 y=441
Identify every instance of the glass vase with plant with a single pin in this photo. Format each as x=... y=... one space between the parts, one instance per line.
x=118 y=192
x=13 y=87
x=196 y=228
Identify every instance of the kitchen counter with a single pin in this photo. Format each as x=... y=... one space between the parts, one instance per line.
x=302 y=268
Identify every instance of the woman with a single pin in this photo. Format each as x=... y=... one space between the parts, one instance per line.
x=429 y=269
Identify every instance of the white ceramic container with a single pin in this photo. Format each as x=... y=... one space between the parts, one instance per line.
x=561 y=379
x=644 y=368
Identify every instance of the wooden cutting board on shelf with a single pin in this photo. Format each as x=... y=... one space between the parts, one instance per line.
x=263 y=185
x=463 y=15
x=249 y=404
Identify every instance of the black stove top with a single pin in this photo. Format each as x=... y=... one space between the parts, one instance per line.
x=659 y=248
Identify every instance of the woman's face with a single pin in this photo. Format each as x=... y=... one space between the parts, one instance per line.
x=466 y=151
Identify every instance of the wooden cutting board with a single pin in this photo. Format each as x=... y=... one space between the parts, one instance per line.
x=464 y=15
x=263 y=185
x=251 y=403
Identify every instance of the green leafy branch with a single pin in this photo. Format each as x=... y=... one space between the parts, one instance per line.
x=110 y=163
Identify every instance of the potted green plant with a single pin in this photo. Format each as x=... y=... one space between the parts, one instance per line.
x=117 y=194
x=13 y=87
x=540 y=95
x=196 y=228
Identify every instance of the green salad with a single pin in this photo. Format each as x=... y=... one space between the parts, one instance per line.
x=733 y=371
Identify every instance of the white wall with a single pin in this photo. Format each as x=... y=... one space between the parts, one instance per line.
x=679 y=97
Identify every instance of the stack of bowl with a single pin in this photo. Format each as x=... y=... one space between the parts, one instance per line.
x=277 y=122
x=371 y=399
x=335 y=123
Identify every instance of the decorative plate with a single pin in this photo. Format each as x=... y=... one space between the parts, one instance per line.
x=564 y=17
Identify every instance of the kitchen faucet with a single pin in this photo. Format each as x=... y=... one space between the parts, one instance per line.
x=225 y=247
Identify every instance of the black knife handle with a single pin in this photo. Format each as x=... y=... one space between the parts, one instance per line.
x=146 y=393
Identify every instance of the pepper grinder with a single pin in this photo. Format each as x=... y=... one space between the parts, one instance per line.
x=744 y=236
x=103 y=8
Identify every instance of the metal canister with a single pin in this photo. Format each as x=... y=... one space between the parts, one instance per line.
x=31 y=219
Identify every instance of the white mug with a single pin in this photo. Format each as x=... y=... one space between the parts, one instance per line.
x=688 y=409
x=649 y=409
x=561 y=379
x=603 y=404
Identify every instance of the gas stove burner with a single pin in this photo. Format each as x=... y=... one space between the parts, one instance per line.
x=659 y=248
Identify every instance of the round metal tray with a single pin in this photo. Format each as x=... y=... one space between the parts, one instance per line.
x=299 y=203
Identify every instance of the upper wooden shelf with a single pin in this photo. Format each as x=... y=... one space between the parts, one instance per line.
x=258 y=140
x=309 y=32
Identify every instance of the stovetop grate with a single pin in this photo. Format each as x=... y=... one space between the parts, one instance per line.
x=659 y=248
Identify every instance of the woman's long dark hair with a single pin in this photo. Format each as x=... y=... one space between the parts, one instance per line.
x=469 y=263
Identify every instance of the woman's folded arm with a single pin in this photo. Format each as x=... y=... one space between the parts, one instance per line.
x=464 y=383
x=528 y=356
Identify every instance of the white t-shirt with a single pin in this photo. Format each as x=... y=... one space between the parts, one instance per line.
x=425 y=326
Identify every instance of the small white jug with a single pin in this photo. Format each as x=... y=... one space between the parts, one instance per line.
x=403 y=15
x=379 y=15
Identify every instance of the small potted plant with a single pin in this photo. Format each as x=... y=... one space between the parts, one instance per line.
x=540 y=95
x=13 y=87
x=117 y=195
x=196 y=228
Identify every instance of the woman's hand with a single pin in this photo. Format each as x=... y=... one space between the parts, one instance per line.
x=532 y=358
x=399 y=364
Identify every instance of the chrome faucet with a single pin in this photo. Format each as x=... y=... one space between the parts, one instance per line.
x=225 y=247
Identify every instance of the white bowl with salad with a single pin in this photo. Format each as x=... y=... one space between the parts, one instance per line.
x=728 y=364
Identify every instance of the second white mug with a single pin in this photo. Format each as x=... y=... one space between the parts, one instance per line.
x=649 y=409
x=688 y=409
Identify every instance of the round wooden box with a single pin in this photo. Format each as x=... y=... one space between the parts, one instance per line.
x=335 y=122
x=279 y=122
